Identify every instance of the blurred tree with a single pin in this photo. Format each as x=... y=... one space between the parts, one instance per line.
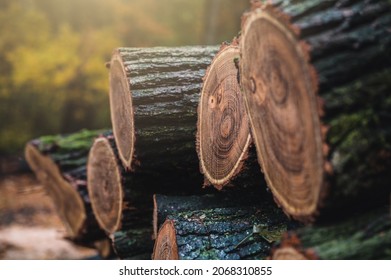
x=52 y=55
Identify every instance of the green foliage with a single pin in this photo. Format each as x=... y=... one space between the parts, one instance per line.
x=53 y=52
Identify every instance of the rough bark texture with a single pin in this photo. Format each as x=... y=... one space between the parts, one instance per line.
x=337 y=50
x=153 y=97
x=167 y=205
x=59 y=164
x=363 y=237
x=135 y=244
x=120 y=200
x=221 y=233
x=223 y=132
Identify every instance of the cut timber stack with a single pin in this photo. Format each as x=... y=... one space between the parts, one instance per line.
x=153 y=98
x=223 y=132
x=59 y=164
x=365 y=237
x=219 y=233
x=307 y=146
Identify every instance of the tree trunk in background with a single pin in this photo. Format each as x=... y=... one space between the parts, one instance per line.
x=59 y=164
x=154 y=94
x=365 y=237
x=212 y=8
x=339 y=145
x=219 y=233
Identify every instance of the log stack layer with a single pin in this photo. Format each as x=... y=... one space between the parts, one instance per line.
x=307 y=81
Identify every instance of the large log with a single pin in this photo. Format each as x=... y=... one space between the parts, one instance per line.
x=307 y=146
x=219 y=233
x=223 y=132
x=362 y=237
x=154 y=94
x=59 y=164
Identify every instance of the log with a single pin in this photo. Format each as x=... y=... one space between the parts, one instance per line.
x=120 y=200
x=134 y=244
x=168 y=205
x=154 y=94
x=223 y=132
x=365 y=237
x=316 y=78
x=220 y=233
x=59 y=163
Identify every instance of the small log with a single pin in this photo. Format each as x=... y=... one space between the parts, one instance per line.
x=307 y=146
x=154 y=94
x=220 y=233
x=223 y=132
x=363 y=237
x=59 y=164
x=119 y=199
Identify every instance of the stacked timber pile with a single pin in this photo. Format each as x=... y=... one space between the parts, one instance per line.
x=306 y=82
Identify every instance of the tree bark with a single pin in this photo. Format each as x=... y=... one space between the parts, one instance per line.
x=223 y=131
x=219 y=233
x=153 y=97
x=135 y=244
x=168 y=205
x=364 y=237
x=307 y=146
x=59 y=164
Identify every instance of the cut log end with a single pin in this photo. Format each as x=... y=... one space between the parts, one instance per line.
x=121 y=108
x=66 y=199
x=223 y=130
x=104 y=185
x=281 y=98
x=165 y=245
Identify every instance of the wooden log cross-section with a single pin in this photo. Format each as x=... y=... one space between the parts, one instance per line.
x=59 y=164
x=118 y=200
x=223 y=132
x=219 y=233
x=292 y=53
x=154 y=94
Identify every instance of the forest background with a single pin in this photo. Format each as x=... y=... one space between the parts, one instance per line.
x=53 y=53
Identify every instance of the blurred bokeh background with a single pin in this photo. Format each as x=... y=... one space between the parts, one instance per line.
x=53 y=52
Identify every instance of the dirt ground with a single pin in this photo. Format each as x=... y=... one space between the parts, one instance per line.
x=29 y=225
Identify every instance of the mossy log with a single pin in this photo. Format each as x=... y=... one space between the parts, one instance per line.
x=220 y=233
x=154 y=94
x=59 y=162
x=134 y=244
x=363 y=237
x=316 y=79
x=223 y=131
